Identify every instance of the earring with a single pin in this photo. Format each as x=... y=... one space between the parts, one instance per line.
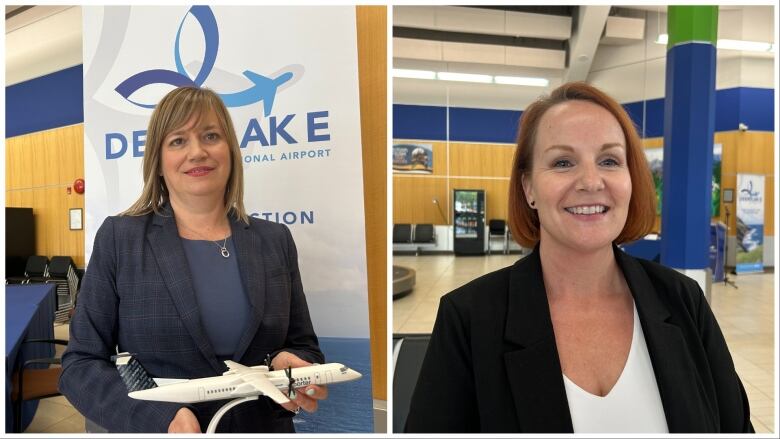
x=533 y=204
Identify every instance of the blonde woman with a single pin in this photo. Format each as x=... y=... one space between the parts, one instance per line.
x=184 y=280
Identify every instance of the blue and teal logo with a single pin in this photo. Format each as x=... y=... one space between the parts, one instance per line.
x=263 y=88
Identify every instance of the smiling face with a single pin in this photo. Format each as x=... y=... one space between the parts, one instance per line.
x=580 y=182
x=195 y=160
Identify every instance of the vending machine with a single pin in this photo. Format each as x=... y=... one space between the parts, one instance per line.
x=469 y=221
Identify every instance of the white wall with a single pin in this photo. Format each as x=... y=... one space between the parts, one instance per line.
x=635 y=72
x=42 y=40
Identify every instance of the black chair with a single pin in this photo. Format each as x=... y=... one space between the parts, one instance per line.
x=62 y=273
x=402 y=233
x=408 y=354
x=424 y=234
x=35 y=383
x=35 y=270
x=497 y=228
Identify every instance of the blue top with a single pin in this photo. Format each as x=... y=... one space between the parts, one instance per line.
x=224 y=306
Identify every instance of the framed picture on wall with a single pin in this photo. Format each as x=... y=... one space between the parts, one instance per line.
x=77 y=218
x=728 y=195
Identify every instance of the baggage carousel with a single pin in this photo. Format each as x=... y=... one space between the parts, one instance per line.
x=403 y=281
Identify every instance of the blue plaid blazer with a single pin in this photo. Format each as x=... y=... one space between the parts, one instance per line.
x=137 y=296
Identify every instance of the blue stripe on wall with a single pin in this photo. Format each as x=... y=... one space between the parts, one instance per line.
x=752 y=106
x=727 y=109
x=51 y=101
x=56 y=100
x=419 y=122
x=478 y=125
x=756 y=108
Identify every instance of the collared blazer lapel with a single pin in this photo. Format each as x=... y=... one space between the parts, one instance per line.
x=534 y=368
x=163 y=238
x=250 y=263
x=679 y=385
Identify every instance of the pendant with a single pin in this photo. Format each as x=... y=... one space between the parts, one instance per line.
x=225 y=252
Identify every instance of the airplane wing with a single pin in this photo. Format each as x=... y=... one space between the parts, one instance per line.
x=261 y=384
x=236 y=367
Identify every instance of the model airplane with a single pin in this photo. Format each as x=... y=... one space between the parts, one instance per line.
x=238 y=382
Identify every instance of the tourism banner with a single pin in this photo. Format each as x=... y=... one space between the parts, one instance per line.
x=413 y=158
x=750 y=223
x=289 y=77
x=717 y=160
x=655 y=159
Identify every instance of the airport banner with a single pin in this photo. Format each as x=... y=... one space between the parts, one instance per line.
x=750 y=223
x=289 y=77
x=413 y=158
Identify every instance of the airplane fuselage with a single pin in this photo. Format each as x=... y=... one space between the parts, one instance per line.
x=236 y=384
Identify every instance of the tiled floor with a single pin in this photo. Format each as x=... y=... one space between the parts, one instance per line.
x=745 y=315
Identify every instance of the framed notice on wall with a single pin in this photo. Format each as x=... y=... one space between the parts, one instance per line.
x=76 y=219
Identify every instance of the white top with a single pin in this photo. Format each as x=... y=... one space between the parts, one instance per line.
x=632 y=406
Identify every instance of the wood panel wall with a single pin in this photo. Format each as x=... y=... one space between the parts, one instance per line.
x=372 y=66
x=456 y=165
x=743 y=152
x=487 y=166
x=39 y=167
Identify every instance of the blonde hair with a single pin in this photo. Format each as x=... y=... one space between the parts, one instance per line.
x=173 y=112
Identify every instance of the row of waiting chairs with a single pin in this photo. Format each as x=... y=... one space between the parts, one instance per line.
x=60 y=271
x=413 y=234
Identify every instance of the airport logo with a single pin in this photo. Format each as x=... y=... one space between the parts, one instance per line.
x=262 y=89
x=750 y=194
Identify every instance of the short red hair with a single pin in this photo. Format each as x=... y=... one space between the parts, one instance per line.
x=524 y=221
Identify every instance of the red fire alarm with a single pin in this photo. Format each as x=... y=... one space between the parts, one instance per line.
x=78 y=185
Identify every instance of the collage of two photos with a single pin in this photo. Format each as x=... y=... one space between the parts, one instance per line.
x=389 y=219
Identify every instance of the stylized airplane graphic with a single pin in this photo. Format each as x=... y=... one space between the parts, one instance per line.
x=749 y=189
x=263 y=88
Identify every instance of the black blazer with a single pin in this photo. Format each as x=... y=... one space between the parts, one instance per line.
x=492 y=364
x=137 y=294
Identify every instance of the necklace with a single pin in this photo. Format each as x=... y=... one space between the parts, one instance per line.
x=222 y=247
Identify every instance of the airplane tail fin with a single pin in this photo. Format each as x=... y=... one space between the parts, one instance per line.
x=132 y=372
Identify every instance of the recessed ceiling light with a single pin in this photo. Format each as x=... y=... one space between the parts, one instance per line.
x=464 y=77
x=414 y=74
x=750 y=46
x=520 y=80
x=747 y=46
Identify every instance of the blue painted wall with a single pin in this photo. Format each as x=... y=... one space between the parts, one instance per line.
x=752 y=106
x=56 y=100
x=51 y=101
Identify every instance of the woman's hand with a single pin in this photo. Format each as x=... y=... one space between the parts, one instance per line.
x=184 y=422
x=305 y=397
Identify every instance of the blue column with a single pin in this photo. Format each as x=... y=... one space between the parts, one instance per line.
x=689 y=125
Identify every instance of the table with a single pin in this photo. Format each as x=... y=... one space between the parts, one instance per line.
x=29 y=314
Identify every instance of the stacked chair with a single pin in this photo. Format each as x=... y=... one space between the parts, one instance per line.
x=63 y=274
x=35 y=270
